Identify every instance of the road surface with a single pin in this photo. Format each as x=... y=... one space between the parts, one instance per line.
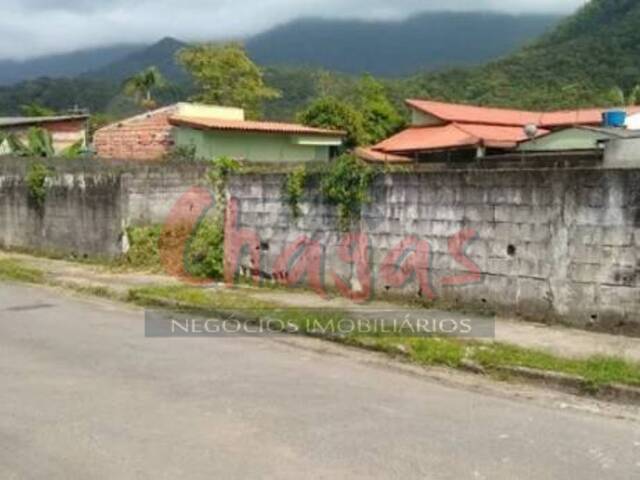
x=86 y=396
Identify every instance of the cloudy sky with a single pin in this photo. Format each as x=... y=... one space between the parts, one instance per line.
x=35 y=27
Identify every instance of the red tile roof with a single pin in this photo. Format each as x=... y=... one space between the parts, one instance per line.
x=248 y=126
x=451 y=112
x=454 y=135
x=373 y=156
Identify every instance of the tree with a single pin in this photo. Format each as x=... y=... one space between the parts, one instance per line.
x=634 y=96
x=329 y=112
x=36 y=110
x=380 y=118
x=39 y=143
x=141 y=86
x=617 y=97
x=225 y=75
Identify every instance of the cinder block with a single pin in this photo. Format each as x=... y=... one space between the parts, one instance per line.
x=479 y=213
x=512 y=213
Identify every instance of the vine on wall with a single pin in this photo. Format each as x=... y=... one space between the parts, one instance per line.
x=36 y=179
x=205 y=254
x=344 y=183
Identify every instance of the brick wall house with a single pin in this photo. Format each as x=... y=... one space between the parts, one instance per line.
x=144 y=137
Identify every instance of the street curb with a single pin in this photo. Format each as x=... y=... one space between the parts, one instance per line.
x=572 y=384
x=577 y=385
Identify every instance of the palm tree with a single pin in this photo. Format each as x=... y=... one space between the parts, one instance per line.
x=141 y=85
x=619 y=98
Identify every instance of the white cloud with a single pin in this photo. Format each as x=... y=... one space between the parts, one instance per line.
x=36 y=27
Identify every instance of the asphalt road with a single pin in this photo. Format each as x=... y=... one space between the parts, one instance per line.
x=85 y=395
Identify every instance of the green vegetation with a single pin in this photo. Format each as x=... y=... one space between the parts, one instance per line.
x=36 y=110
x=36 y=179
x=331 y=113
x=141 y=86
x=575 y=65
x=205 y=251
x=391 y=48
x=293 y=189
x=346 y=184
x=449 y=352
x=16 y=271
x=143 y=247
x=365 y=111
x=494 y=357
x=39 y=143
x=379 y=116
x=224 y=75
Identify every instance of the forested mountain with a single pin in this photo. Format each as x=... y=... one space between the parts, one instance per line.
x=577 y=64
x=161 y=55
x=423 y=42
x=63 y=65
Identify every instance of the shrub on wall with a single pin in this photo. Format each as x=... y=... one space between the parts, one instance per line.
x=36 y=179
x=293 y=189
x=346 y=184
x=205 y=252
x=143 y=247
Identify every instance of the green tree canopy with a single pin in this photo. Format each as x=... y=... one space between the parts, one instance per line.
x=380 y=117
x=225 y=75
x=36 y=110
x=617 y=97
x=141 y=86
x=329 y=112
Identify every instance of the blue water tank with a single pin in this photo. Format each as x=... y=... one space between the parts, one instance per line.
x=614 y=118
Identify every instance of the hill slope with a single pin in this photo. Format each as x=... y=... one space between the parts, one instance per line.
x=161 y=54
x=62 y=65
x=423 y=42
x=574 y=65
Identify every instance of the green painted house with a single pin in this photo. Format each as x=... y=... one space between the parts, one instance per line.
x=254 y=141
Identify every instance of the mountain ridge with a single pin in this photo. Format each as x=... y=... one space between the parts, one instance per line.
x=575 y=65
x=69 y=64
x=388 y=48
x=349 y=46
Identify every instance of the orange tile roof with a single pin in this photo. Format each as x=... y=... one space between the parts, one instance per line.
x=427 y=138
x=249 y=126
x=373 y=156
x=453 y=135
x=451 y=112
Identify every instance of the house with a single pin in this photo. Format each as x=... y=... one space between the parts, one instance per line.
x=579 y=138
x=448 y=132
x=149 y=136
x=65 y=130
x=254 y=141
x=212 y=131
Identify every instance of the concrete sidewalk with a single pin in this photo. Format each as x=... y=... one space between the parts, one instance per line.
x=559 y=340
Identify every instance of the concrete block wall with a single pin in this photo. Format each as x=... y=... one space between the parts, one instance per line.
x=82 y=215
x=550 y=244
x=86 y=212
